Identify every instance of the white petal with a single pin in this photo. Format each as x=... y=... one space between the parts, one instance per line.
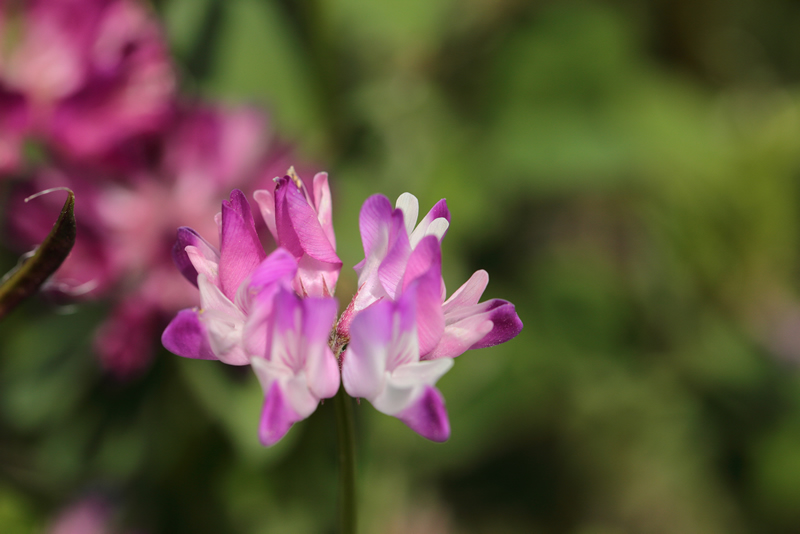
x=410 y=206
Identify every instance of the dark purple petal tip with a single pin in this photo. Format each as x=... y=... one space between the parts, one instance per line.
x=507 y=324
x=428 y=416
x=186 y=237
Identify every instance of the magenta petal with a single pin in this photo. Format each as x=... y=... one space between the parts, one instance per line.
x=427 y=416
x=299 y=229
x=186 y=336
x=506 y=324
x=277 y=417
x=426 y=255
x=277 y=267
x=240 y=248
x=438 y=210
x=187 y=237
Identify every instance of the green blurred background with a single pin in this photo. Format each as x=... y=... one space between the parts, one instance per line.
x=629 y=174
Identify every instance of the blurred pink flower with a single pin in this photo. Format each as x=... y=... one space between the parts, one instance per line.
x=92 y=73
x=89 y=516
x=127 y=222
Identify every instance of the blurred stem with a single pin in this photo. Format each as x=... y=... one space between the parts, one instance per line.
x=345 y=434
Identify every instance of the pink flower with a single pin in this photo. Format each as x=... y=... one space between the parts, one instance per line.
x=94 y=73
x=406 y=339
x=383 y=361
x=303 y=225
x=13 y=123
x=389 y=237
x=296 y=368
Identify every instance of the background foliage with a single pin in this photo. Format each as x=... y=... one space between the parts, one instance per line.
x=629 y=175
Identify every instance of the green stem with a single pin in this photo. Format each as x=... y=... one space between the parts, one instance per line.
x=345 y=434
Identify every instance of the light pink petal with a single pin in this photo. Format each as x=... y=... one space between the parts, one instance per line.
x=427 y=416
x=321 y=366
x=324 y=206
x=240 y=248
x=266 y=204
x=364 y=362
x=460 y=337
x=394 y=263
x=186 y=336
x=469 y=293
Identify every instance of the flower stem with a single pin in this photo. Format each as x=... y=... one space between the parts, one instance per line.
x=347 y=462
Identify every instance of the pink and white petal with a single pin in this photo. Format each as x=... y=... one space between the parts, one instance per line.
x=437 y=228
x=404 y=346
x=427 y=416
x=200 y=263
x=322 y=372
x=266 y=204
x=277 y=416
x=469 y=293
x=459 y=337
x=316 y=278
x=409 y=205
x=186 y=336
x=364 y=361
x=324 y=206
x=425 y=373
x=187 y=237
x=394 y=398
x=299 y=396
x=240 y=248
x=506 y=324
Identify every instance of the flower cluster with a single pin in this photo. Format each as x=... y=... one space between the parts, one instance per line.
x=395 y=339
x=91 y=84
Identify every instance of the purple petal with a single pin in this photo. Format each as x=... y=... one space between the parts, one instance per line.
x=240 y=248
x=277 y=416
x=506 y=324
x=438 y=210
x=427 y=416
x=188 y=237
x=186 y=336
x=364 y=362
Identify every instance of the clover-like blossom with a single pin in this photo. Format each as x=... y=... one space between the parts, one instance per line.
x=383 y=362
x=297 y=367
x=302 y=224
x=383 y=340
x=389 y=236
